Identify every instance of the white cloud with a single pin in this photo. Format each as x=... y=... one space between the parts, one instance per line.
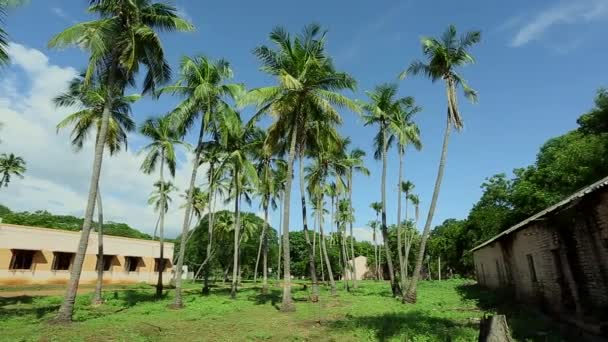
x=57 y=179
x=366 y=234
x=566 y=12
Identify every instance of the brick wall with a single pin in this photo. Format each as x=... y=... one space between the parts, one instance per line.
x=558 y=262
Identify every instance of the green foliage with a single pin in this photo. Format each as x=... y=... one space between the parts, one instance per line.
x=563 y=165
x=44 y=219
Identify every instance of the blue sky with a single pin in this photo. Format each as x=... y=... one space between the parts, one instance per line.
x=538 y=66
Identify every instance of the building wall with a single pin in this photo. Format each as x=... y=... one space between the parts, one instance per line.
x=569 y=254
x=46 y=241
x=361 y=268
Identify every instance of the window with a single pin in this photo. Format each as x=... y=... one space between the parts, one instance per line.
x=107 y=262
x=157 y=264
x=62 y=261
x=132 y=263
x=22 y=259
x=531 y=267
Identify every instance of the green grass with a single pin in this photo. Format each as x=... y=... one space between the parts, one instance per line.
x=446 y=311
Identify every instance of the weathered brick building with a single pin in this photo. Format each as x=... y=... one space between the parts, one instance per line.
x=556 y=259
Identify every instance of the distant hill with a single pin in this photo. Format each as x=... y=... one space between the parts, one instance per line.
x=44 y=219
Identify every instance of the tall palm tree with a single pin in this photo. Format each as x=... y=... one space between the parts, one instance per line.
x=203 y=83
x=121 y=40
x=344 y=215
x=266 y=161
x=308 y=84
x=406 y=133
x=409 y=237
x=377 y=207
x=355 y=163
x=381 y=110
x=90 y=99
x=162 y=149
x=443 y=56
x=4 y=5
x=239 y=140
x=280 y=180
x=159 y=197
x=10 y=165
x=405 y=187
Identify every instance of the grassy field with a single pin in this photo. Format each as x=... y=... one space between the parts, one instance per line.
x=446 y=311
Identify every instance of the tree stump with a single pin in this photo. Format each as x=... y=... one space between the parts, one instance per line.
x=494 y=329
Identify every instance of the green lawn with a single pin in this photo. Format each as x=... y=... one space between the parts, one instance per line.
x=446 y=311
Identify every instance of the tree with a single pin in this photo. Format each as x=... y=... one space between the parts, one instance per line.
x=121 y=40
x=268 y=193
x=4 y=5
x=443 y=55
x=162 y=149
x=355 y=163
x=203 y=83
x=381 y=110
x=409 y=234
x=10 y=165
x=90 y=99
x=377 y=207
x=308 y=84
x=239 y=141
x=406 y=133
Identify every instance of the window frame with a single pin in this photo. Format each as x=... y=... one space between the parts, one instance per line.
x=19 y=252
x=56 y=254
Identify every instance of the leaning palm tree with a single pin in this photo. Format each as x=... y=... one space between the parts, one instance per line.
x=239 y=140
x=381 y=110
x=162 y=149
x=90 y=100
x=204 y=87
x=307 y=83
x=10 y=165
x=443 y=56
x=377 y=207
x=119 y=42
x=406 y=133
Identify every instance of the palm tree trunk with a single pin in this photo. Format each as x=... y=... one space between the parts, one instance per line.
x=257 y=260
x=309 y=247
x=237 y=227
x=332 y=282
x=280 y=239
x=344 y=258
x=98 y=299
x=265 y=253
x=399 y=228
x=161 y=233
x=410 y=296
x=389 y=259
x=405 y=241
x=67 y=307
x=352 y=238
x=178 y=303
x=210 y=217
x=287 y=302
x=376 y=261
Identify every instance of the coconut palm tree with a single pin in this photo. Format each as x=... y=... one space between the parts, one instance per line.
x=355 y=163
x=4 y=5
x=90 y=99
x=377 y=207
x=409 y=237
x=119 y=42
x=267 y=192
x=406 y=133
x=405 y=187
x=280 y=180
x=443 y=56
x=381 y=110
x=239 y=140
x=308 y=84
x=162 y=149
x=344 y=215
x=203 y=83
x=10 y=165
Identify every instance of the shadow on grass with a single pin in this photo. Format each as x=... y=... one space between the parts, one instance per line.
x=23 y=306
x=273 y=296
x=525 y=323
x=407 y=326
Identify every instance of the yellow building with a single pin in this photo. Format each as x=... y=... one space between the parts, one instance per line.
x=32 y=255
